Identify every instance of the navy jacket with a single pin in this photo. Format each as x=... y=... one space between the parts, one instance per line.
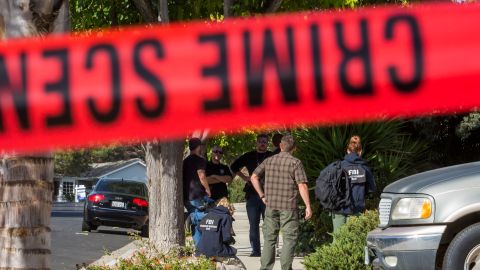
x=216 y=238
x=362 y=182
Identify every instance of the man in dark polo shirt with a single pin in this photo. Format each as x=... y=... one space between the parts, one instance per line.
x=255 y=206
x=276 y=139
x=218 y=174
x=196 y=191
x=285 y=178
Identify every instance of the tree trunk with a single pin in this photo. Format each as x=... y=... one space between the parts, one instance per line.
x=26 y=185
x=164 y=173
x=26 y=182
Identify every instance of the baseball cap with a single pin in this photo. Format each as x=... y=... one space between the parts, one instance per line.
x=194 y=143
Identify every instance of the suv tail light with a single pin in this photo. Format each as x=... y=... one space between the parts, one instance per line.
x=96 y=197
x=140 y=202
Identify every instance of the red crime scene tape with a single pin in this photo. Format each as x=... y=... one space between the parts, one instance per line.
x=310 y=68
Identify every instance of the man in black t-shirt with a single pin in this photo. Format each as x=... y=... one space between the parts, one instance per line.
x=255 y=205
x=276 y=139
x=218 y=174
x=196 y=191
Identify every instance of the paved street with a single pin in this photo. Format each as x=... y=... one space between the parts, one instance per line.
x=71 y=246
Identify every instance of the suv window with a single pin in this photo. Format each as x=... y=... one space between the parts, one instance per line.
x=125 y=187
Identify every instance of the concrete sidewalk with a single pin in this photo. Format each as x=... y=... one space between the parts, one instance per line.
x=241 y=228
x=67 y=206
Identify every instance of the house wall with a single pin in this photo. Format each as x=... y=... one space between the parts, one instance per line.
x=79 y=186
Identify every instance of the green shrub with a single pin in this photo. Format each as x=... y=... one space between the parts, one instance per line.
x=69 y=197
x=235 y=190
x=315 y=231
x=346 y=251
x=174 y=260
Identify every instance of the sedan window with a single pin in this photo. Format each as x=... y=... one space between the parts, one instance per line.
x=125 y=187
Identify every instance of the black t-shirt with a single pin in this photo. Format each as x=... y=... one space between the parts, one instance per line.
x=192 y=187
x=250 y=160
x=218 y=190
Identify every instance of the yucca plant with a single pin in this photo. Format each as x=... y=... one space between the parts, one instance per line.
x=390 y=152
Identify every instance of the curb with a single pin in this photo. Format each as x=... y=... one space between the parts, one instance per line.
x=122 y=253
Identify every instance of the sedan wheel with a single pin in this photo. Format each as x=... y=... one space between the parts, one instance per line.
x=86 y=226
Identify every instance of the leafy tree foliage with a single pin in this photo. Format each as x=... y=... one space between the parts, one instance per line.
x=72 y=163
x=469 y=124
x=185 y=10
x=92 y=14
x=453 y=139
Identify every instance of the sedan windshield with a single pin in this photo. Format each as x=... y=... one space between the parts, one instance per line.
x=125 y=187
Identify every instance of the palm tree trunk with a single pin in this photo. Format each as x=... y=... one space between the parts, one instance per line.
x=26 y=185
x=26 y=182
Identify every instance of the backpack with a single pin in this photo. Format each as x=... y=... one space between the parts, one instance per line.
x=333 y=187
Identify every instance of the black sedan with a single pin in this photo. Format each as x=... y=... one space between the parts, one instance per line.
x=117 y=202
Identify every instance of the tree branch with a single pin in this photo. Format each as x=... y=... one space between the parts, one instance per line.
x=113 y=15
x=61 y=24
x=146 y=10
x=273 y=6
x=163 y=11
x=227 y=6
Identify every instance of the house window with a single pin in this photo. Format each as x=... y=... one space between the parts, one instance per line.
x=67 y=188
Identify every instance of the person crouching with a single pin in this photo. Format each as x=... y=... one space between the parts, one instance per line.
x=216 y=229
x=217 y=236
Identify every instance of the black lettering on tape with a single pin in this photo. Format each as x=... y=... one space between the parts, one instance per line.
x=220 y=70
x=256 y=73
x=62 y=87
x=150 y=78
x=317 y=61
x=408 y=85
x=4 y=86
x=112 y=113
x=362 y=53
x=20 y=95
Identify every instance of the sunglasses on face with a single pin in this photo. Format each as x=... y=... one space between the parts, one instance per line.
x=217 y=151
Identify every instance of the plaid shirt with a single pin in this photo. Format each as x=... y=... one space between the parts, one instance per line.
x=283 y=173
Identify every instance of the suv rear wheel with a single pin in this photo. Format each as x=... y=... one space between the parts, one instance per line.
x=464 y=250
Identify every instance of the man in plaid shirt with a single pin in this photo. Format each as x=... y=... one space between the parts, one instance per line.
x=285 y=178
